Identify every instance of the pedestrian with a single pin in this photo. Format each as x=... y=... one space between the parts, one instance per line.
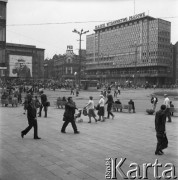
x=154 y=101
x=72 y=91
x=101 y=109
x=171 y=106
x=32 y=120
x=160 y=121
x=109 y=103
x=43 y=104
x=90 y=106
x=68 y=116
x=167 y=103
x=131 y=102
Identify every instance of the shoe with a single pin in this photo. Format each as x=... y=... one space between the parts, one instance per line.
x=113 y=117
x=169 y=121
x=76 y=132
x=63 y=132
x=22 y=135
x=37 y=138
x=161 y=152
x=96 y=120
x=89 y=121
x=99 y=120
x=158 y=153
x=45 y=116
x=39 y=116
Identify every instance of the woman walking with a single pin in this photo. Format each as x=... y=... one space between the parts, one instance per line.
x=101 y=109
x=90 y=106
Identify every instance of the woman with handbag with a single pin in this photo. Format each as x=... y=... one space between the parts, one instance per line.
x=101 y=109
x=68 y=116
x=90 y=106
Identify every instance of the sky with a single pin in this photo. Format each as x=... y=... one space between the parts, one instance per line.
x=49 y=24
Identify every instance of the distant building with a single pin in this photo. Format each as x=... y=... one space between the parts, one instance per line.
x=66 y=67
x=175 y=63
x=2 y=36
x=135 y=49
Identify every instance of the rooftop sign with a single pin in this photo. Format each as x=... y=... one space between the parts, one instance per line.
x=3 y=1
x=130 y=18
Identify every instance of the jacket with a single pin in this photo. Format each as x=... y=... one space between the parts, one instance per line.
x=31 y=110
x=160 y=121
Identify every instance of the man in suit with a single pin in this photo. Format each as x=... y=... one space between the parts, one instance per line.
x=69 y=116
x=110 y=101
x=32 y=120
x=43 y=104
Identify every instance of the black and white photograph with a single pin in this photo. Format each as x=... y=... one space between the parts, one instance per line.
x=89 y=89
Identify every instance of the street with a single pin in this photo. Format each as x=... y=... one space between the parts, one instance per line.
x=68 y=156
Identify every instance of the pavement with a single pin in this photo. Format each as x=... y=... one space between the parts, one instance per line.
x=72 y=156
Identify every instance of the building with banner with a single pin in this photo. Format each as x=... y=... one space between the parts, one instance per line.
x=134 y=49
x=18 y=60
x=24 y=61
x=2 y=36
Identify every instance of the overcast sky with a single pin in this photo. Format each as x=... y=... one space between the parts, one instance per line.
x=54 y=38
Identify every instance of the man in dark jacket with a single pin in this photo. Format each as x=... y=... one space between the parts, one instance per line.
x=32 y=121
x=160 y=121
x=43 y=104
x=110 y=101
x=69 y=116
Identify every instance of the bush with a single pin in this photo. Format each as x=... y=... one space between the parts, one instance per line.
x=150 y=111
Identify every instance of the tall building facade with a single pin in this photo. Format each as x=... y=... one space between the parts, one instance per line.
x=175 y=62
x=135 y=49
x=2 y=36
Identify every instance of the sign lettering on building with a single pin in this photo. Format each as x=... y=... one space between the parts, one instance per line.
x=130 y=18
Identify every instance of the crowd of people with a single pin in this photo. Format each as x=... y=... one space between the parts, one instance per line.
x=34 y=106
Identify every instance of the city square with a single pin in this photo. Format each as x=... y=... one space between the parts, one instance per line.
x=89 y=89
x=83 y=156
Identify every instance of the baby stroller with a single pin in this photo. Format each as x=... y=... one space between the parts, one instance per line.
x=77 y=116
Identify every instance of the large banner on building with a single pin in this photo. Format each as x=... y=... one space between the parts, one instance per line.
x=20 y=66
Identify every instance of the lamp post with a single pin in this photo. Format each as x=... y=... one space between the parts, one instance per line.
x=81 y=32
x=75 y=74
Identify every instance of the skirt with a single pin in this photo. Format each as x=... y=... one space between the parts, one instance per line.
x=101 y=111
x=91 y=113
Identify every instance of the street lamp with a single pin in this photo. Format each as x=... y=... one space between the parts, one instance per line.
x=80 y=35
x=75 y=74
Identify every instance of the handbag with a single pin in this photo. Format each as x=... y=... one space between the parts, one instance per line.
x=165 y=142
x=47 y=103
x=85 y=112
x=97 y=107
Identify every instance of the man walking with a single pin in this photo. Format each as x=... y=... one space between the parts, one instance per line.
x=69 y=116
x=167 y=104
x=32 y=120
x=110 y=101
x=43 y=104
x=160 y=121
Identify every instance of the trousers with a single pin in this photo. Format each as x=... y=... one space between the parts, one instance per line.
x=31 y=123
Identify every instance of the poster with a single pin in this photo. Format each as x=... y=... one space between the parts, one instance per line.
x=20 y=66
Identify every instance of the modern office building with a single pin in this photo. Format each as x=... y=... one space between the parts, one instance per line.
x=175 y=63
x=135 y=49
x=2 y=36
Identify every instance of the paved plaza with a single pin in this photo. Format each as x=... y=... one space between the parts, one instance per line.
x=72 y=156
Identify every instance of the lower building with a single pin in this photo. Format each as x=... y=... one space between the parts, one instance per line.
x=24 y=61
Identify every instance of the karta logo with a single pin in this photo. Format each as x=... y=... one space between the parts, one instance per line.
x=114 y=169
